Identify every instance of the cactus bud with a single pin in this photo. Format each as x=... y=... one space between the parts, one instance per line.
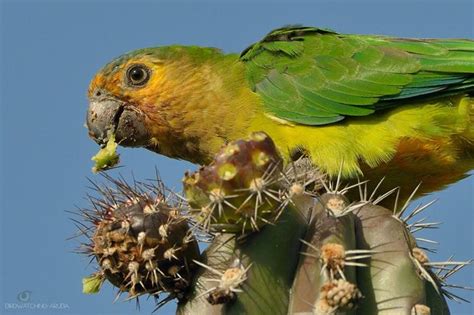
x=337 y=295
x=239 y=190
x=228 y=284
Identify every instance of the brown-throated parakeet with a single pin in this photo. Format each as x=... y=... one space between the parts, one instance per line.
x=380 y=106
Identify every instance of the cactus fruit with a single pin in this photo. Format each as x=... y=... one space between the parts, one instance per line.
x=283 y=240
x=239 y=190
x=142 y=244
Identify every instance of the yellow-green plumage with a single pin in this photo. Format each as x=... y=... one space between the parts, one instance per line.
x=430 y=143
x=379 y=106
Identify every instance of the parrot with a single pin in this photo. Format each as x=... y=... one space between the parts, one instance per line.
x=359 y=106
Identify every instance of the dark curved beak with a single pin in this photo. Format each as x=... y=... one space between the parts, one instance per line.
x=110 y=115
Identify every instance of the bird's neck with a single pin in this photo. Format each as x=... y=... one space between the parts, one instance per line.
x=211 y=105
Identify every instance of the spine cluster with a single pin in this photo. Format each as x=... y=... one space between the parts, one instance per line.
x=142 y=244
x=284 y=239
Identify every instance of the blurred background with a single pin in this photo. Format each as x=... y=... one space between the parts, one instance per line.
x=49 y=52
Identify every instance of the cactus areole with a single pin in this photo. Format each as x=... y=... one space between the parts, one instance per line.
x=284 y=239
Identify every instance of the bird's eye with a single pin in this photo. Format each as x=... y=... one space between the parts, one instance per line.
x=137 y=75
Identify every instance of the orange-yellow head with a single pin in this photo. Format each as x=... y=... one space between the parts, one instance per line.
x=172 y=100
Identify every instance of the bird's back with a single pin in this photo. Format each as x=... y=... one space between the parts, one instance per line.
x=393 y=107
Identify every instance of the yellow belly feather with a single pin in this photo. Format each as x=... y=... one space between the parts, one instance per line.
x=432 y=142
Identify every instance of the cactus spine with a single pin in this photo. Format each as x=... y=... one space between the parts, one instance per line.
x=283 y=240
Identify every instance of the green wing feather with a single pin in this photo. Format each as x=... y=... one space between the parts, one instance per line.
x=315 y=76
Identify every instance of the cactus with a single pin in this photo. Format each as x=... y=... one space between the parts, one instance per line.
x=239 y=191
x=284 y=239
x=141 y=242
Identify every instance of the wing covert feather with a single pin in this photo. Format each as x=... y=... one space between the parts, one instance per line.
x=315 y=76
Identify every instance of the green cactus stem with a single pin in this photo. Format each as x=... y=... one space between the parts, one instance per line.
x=391 y=284
x=329 y=240
x=283 y=240
x=438 y=306
x=272 y=255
